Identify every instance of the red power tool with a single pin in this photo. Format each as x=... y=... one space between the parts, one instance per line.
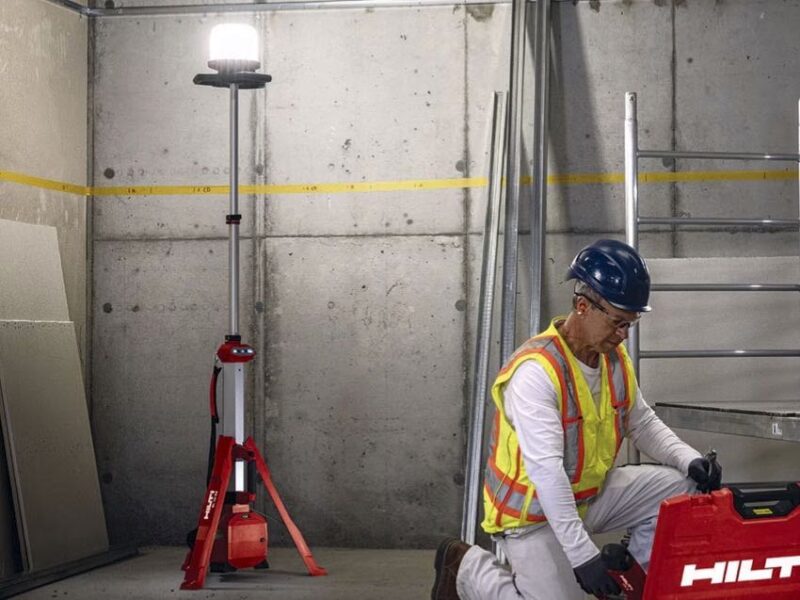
x=624 y=569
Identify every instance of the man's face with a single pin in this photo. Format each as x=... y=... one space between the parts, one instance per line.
x=606 y=326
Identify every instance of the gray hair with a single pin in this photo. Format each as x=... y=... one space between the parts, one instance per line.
x=583 y=289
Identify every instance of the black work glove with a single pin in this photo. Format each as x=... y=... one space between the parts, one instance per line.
x=707 y=473
x=594 y=579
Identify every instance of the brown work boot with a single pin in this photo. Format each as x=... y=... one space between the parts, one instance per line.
x=448 y=559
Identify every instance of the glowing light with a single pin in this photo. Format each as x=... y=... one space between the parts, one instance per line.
x=233 y=42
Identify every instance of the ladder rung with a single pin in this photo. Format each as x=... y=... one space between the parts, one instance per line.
x=716 y=353
x=717 y=155
x=791 y=223
x=725 y=287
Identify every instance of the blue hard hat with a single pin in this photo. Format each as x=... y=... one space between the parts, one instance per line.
x=616 y=272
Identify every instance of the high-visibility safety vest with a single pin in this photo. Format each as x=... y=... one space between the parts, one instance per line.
x=591 y=440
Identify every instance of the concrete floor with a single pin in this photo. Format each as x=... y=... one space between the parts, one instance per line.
x=353 y=575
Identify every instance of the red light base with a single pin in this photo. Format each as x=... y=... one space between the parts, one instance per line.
x=243 y=544
x=244 y=540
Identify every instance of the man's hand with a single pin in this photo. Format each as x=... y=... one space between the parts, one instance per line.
x=594 y=579
x=707 y=472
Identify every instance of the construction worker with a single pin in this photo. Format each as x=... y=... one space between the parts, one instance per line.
x=565 y=401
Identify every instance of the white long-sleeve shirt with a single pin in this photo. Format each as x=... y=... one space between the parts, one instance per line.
x=531 y=405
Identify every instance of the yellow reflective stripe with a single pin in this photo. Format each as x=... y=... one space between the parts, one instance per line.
x=387 y=186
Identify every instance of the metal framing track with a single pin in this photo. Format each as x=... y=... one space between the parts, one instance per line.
x=184 y=9
x=74 y=7
x=243 y=7
x=775 y=421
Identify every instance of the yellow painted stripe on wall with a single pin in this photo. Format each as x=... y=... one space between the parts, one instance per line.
x=581 y=178
x=386 y=186
x=686 y=176
x=47 y=184
x=367 y=186
x=162 y=190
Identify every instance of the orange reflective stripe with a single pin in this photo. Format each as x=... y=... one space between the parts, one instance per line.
x=492 y=468
x=578 y=420
x=494 y=487
x=556 y=367
x=581 y=498
x=535 y=518
x=532 y=516
x=517 y=487
x=502 y=508
x=567 y=399
x=579 y=465
x=522 y=352
x=511 y=512
x=558 y=345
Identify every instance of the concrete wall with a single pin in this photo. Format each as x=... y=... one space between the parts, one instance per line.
x=362 y=305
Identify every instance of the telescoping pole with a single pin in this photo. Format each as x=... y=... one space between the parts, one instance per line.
x=233 y=372
x=233 y=222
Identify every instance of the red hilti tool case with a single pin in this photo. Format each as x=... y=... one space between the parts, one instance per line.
x=742 y=541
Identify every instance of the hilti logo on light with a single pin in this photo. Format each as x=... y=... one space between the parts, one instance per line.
x=212 y=498
x=736 y=571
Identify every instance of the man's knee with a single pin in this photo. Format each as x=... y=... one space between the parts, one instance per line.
x=673 y=482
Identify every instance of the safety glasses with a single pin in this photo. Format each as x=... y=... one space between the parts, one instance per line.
x=617 y=323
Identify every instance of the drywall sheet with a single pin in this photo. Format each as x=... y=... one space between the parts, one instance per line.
x=31 y=287
x=31 y=280
x=49 y=443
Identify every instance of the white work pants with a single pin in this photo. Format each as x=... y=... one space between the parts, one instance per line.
x=630 y=499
